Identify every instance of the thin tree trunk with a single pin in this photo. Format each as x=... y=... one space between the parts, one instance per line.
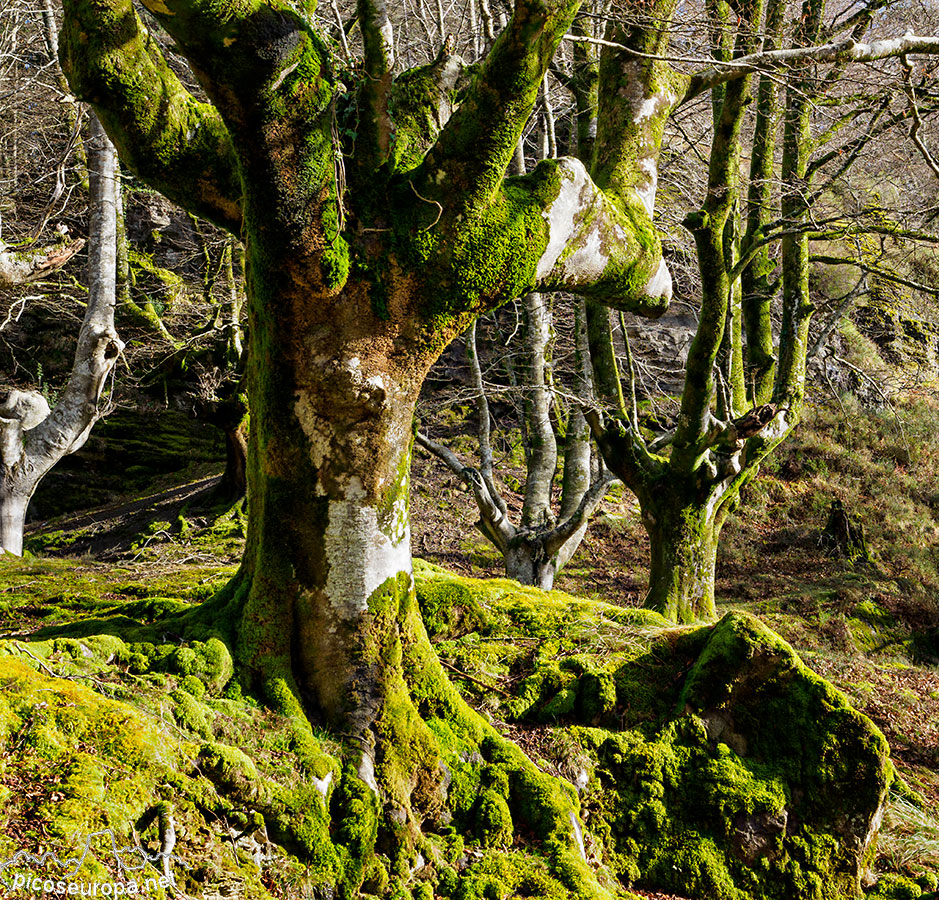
x=33 y=440
x=543 y=452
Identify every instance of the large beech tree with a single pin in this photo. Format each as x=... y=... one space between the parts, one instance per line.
x=744 y=384
x=368 y=248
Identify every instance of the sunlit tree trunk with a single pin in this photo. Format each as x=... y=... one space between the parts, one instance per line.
x=33 y=439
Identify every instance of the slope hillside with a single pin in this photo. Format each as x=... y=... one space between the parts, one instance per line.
x=869 y=626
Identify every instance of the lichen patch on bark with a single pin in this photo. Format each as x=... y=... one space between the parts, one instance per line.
x=361 y=555
x=563 y=213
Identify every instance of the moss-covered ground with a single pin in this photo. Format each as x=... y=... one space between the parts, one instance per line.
x=112 y=719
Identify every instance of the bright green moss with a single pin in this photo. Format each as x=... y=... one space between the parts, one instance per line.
x=596 y=697
x=415 y=101
x=192 y=685
x=355 y=814
x=100 y=758
x=493 y=820
x=450 y=607
x=894 y=887
x=561 y=704
x=232 y=770
x=189 y=713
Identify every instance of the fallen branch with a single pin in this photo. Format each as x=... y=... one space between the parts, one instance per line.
x=462 y=674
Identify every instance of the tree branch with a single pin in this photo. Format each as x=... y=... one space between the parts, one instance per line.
x=67 y=428
x=374 y=143
x=839 y=51
x=880 y=273
x=22 y=266
x=174 y=143
x=493 y=522
x=483 y=417
x=917 y=120
x=445 y=454
x=555 y=539
x=602 y=249
x=472 y=153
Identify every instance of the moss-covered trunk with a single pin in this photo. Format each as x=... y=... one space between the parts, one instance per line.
x=683 y=527
x=332 y=400
x=323 y=609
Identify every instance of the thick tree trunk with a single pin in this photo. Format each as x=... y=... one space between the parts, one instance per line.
x=361 y=266
x=683 y=534
x=323 y=610
x=326 y=575
x=527 y=561
x=328 y=550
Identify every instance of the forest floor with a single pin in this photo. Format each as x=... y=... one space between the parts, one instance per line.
x=871 y=627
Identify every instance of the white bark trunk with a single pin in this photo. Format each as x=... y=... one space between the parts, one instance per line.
x=12 y=520
x=543 y=451
x=527 y=564
x=32 y=440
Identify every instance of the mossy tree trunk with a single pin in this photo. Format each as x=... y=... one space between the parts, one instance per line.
x=688 y=480
x=738 y=402
x=683 y=534
x=358 y=274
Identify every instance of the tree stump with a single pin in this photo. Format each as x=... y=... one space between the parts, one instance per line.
x=843 y=536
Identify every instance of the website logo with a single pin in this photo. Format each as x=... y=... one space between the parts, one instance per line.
x=133 y=871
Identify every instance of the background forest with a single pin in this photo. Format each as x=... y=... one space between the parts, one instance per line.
x=671 y=556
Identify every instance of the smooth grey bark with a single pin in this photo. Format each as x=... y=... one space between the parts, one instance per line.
x=542 y=446
x=33 y=438
x=540 y=545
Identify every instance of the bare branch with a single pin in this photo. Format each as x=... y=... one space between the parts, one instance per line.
x=917 y=121
x=839 y=51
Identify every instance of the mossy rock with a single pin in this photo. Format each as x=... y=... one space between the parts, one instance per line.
x=723 y=767
x=126 y=454
x=762 y=783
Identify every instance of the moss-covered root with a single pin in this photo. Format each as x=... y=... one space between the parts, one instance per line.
x=431 y=795
x=491 y=793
